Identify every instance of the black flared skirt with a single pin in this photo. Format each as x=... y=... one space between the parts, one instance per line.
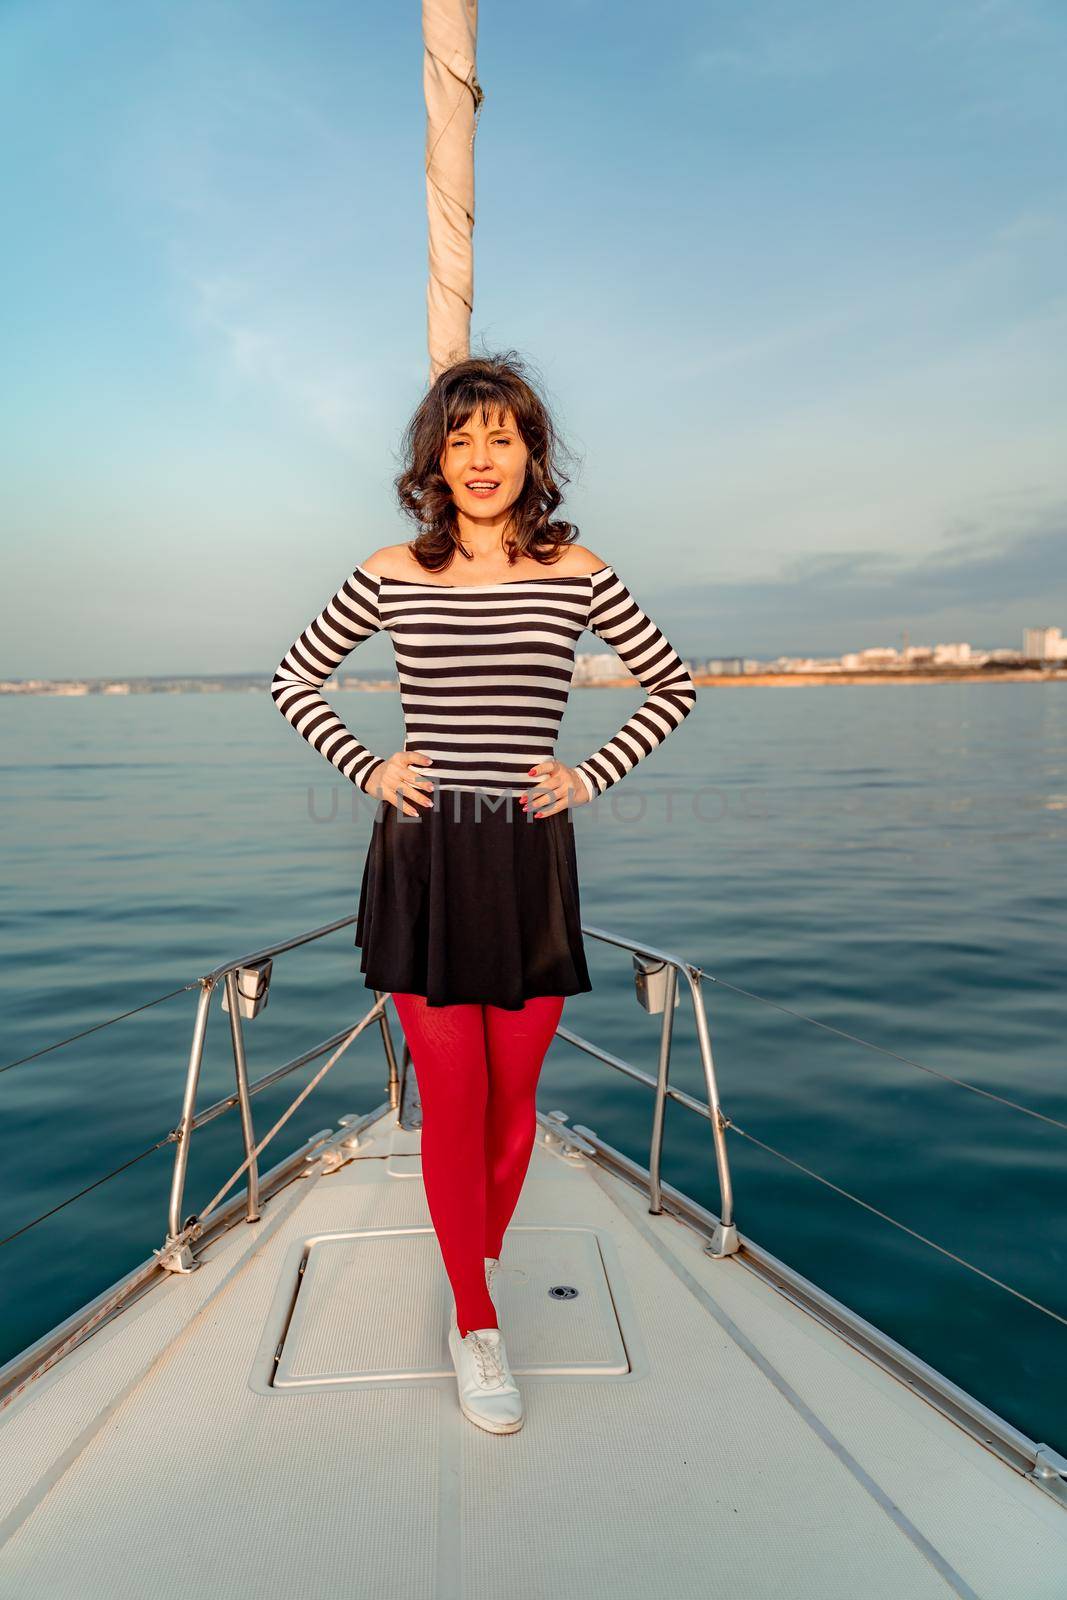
x=472 y=901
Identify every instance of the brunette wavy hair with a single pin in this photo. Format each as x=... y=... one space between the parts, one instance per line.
x=495 y=383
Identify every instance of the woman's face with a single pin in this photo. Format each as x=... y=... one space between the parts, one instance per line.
x=491 y=454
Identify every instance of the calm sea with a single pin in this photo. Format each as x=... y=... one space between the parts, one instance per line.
x=887 y=861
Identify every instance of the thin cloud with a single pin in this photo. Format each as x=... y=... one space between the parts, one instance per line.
x=986 y=22
x=333 y=396
x=776 y=43
x=982 y=577
x=977 y=568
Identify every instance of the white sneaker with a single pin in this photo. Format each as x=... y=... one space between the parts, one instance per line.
x=488 y=1394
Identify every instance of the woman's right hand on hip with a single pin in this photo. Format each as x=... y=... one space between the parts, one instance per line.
x=397 y=780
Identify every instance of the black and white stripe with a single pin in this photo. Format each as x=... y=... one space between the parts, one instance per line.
x=345 y=621
x=615 y=616
x=485 y=673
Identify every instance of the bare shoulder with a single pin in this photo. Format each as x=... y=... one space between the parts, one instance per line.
x=577 y=561
x=391 y=561
x=590 y=561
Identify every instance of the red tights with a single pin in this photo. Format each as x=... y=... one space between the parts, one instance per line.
x=477 y=1069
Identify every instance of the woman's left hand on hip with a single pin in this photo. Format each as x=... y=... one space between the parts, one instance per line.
x=558 y=787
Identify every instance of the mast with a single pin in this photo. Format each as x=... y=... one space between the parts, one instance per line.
x=453 y=101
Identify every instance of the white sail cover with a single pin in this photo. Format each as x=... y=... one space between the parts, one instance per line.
x=453 y=100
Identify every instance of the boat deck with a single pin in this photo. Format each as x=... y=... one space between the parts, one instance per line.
x=689 y=1430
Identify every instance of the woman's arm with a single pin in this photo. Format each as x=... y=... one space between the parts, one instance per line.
x=615 y=617
x=344 y=622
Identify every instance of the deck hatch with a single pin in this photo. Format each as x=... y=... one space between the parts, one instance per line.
x=373 y=1306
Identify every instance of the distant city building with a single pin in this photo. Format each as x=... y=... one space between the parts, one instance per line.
x=876 y=655
x=595 y=665
x=811 y=664
x=952 y=655
x=716 y=667
x=1044 y=644
x=41 y=686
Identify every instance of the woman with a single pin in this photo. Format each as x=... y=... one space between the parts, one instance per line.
x=469 y=908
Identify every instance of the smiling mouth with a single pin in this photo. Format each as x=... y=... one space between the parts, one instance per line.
x=483 y=488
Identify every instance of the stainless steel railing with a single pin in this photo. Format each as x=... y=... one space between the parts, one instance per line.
x=175 y=1253
x=725 y=1240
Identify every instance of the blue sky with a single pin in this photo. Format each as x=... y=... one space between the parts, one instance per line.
x=792 y=275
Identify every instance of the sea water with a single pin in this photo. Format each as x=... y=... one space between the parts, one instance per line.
x=871 y=876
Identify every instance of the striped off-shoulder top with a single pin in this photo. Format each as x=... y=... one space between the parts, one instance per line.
x=485 y=672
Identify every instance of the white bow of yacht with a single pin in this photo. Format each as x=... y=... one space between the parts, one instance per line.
x=267 y=1406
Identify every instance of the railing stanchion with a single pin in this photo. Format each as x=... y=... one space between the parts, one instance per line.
x=662 y=1078
x=185 y=1127
x=725 y=1240
x=390 y=1053
x=244 y=1099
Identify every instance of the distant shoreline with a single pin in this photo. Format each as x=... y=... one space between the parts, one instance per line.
x=241 y=683
x=930 y=675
